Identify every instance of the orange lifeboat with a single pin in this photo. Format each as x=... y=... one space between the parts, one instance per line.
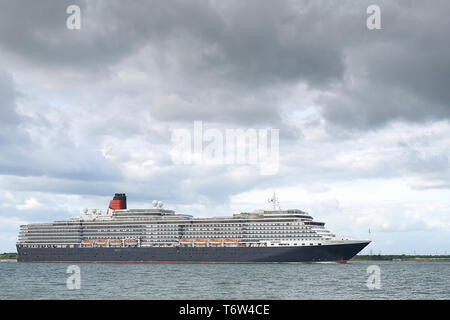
x=186 y=242
x=101 y=242
x=86 y=242
x=115 y=242
x=215 y=242
x=201 y=242
x=229 y=242
x=131 y=242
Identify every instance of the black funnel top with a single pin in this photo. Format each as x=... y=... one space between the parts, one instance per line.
x=123 y=199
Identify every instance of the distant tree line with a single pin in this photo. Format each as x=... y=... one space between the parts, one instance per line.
x=8 y=255
x=390 y=257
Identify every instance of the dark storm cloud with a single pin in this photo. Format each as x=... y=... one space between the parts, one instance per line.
x=256 y=41
x=232 y=62
x=368 y=78
x=8 y=114
x=11 y=135
x=36 y=32
x=235 y=51
x=228 y=60
x=399 y=73
x=25 y=153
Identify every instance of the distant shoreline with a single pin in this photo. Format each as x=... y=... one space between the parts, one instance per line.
x=8 y=256
x=402 y=257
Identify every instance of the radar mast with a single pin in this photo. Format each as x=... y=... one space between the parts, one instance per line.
x=275 y=205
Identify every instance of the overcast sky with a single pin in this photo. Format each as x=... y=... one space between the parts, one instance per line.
x=363 y=115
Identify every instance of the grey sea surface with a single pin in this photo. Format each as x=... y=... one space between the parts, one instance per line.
x=398 y=280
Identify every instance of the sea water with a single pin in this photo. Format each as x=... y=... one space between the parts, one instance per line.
x=397 y=280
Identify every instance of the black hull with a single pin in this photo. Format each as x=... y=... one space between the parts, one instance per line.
x=337 y=252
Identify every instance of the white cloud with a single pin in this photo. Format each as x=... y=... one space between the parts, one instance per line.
x=29 y=204
x=10 y=223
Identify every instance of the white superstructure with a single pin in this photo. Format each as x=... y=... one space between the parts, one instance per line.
x=160 y=227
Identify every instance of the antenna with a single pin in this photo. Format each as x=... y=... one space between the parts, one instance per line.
x=274 y=202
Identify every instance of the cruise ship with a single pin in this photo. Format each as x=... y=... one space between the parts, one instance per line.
x=157 y=235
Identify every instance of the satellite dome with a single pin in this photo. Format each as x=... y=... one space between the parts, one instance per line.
x=160 y=204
